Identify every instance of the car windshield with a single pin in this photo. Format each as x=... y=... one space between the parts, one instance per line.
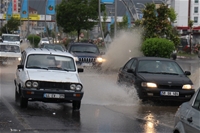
x=50 y=62
x=159 y=67
x=84 y=49
x=44 y=39
x=10 y=38
x=10 y=48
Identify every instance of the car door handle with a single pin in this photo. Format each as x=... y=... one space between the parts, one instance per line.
x=189 y=119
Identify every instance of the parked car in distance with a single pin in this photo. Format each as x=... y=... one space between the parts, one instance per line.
x=53 y=46
x=43 y=40
x=10 y=53
x=87 y=54
x=187 y=117
x=157 y=78
x=48 y=75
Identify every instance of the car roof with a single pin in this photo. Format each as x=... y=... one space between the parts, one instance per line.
x=82 y=43
x=46 y=51
x=153 y=58
x=9 y=43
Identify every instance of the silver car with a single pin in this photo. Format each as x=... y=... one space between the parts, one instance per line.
x=187 y=118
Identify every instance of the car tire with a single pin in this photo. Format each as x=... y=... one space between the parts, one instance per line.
x=76 y=105
x=16 y=94
x=23 y=102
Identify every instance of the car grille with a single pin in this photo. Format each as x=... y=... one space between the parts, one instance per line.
x=86 y=59
x=170 y=87
x=54 y=85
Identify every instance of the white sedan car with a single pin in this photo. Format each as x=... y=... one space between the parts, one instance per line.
x=43 y=41
x=187 y=118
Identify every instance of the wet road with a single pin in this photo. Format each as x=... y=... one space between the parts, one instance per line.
x=106 y=107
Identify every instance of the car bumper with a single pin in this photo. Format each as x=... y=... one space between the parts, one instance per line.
x=38 y=95
x=183 y=95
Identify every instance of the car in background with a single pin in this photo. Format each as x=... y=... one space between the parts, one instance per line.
x=157 y=78
x=53 y=46
x=86 y=54
x=48 y=75
x=43 y=41
x=187 y=117
x=10 y=53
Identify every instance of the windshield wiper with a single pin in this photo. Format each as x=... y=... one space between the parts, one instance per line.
x=88 y=52
x=58 y=68
x=144 y=72
x=167 y=73
x=77 y=51
x=38 y=67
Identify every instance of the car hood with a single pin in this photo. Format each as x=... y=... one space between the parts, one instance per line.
x=53 y=76
x=165 y=79
x=85 y=54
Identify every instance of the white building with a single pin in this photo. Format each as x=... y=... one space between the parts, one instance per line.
x=187 y=10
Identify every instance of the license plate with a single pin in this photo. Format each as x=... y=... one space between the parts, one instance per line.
x=86 y=64
x=169 y=93
x=49 y=95
x=7 y=63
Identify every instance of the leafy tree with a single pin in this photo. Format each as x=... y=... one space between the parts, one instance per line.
x=104 y=22
x=124 y=23
x=75 y=15
x=157 y=22
x=34 y=40
x=11 y=26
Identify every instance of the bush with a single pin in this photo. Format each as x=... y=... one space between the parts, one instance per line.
x=157 y=47
x=34 y=40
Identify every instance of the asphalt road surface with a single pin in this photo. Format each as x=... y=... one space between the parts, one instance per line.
x=106 y=108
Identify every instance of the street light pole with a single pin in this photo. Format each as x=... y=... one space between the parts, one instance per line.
x=102 y=34
x=115 y=29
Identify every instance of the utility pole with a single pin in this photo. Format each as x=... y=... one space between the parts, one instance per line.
x=45 y=20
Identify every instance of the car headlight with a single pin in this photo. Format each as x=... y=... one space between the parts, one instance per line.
x=78 y=87
x=72 y=86
x=35 y=84
x=149 y=84
x=19 y=59
x=100 y=59
x=28 y=84
x=187 y=87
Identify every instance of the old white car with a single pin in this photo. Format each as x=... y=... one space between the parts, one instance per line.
x=48 y=75
x=187 y=118
x=10 y=53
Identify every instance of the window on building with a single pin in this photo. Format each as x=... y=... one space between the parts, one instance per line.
x=196 y=9
x=195 y=19
x=196 y=1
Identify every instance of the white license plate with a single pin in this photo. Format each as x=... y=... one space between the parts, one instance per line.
x=169 y=93
x=49 y=95
x=86 y=64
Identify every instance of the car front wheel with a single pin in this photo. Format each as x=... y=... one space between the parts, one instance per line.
x=76 y=105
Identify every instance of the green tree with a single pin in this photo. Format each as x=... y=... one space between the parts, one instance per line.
x=75 y=15
x=34 y=40
x=124 y=23
x=11 y=26
x=157 y=22
x=104 y=22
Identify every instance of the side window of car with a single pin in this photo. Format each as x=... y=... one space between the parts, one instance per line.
x=133 y=66
x=128 y=65
x=197 y=102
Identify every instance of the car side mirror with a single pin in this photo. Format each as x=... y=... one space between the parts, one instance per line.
x=131 y=71
x=187 y=73
x=21 y=41
x=20 y=67
x=80 y=70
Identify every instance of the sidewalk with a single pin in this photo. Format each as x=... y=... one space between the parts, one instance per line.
x=188 y=57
